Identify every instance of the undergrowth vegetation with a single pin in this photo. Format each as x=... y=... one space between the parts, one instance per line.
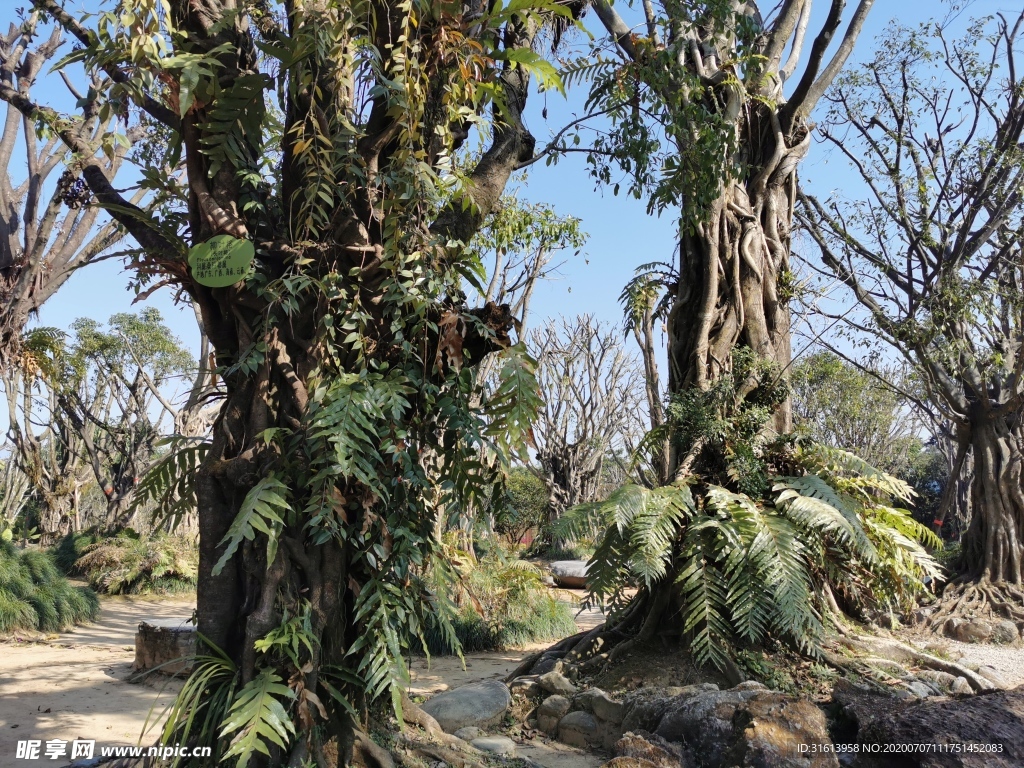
x=35 y=596
x=500 y=602
x=765 y=536
x=130 y=564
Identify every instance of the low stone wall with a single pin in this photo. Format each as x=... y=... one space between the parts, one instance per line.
x=166 y=647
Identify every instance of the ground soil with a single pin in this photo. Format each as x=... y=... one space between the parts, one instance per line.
x=75 y=685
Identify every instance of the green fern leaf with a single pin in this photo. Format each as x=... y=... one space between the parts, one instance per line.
x=259 y=512
x=256 y=717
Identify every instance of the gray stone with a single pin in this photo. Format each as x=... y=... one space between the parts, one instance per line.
x=607 y=709
x=571 y=574
x=750 y=685
x=943 y=680
x=579 y=729
x=974 y=631
x=480 y=704
x=545 y=664
x=551 y=711
x=920 y=689
x=610 y=735
x=994 y=676
x=498 y=745
x=556 y=682
x=165 y=645
x=468 y=733
x=1005 y=632
x=585 y=699
x=525 y=686
x=961 y=686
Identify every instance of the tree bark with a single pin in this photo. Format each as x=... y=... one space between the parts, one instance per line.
x=993 y=545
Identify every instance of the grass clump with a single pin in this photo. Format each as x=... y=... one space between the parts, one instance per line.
x=501 y=602
x=129 y=564
x=34 y=595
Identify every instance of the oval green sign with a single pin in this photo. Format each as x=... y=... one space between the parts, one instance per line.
x=221 y=261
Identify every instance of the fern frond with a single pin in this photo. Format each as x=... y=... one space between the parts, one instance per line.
x=260 y=511
x=813 y=504
x=256 y=717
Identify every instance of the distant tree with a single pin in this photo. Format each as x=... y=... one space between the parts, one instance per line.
x=525 y=506
x=93 y=403
x=932 y=256
x=839 y=404
x=592 y=391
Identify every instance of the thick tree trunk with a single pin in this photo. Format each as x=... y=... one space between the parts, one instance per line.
x=993 y=546
x=733 y=270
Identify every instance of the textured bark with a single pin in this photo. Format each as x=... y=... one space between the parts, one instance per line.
x=993 y=545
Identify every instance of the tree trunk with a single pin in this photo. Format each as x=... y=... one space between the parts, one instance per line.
x=733 y=270
x=993 y=546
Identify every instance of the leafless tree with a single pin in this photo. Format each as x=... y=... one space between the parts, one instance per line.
x=593 y=393
x=48 y=228
x=932 y=255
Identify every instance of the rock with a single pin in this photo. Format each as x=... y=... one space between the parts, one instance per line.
x=610 y=735
x=556 y=682
x=961 y=687
x=546 y=663
x=571 y=574
x=652 y=749
x=468 y=733
x=480 y=704
x=630 y=762
x=498 y=745
x=920 y=689
x=525 y=686
x=606 y=708
x=749 y=727
x=645 y=707
x=1005 y=632
x=550 y=711
x=579 y=729
x=165 y=646
x=994 y=676
x=943 y=680
x=995 y=719
x=585 y=699
x=974 y=631
x=750 y=685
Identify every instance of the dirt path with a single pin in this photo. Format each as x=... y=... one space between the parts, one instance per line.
x=73 y=686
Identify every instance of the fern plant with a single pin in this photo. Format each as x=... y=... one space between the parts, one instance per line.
x=745 y=568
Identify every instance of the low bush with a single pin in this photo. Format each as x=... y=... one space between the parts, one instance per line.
x=129 y=564
x=65 y=553
x=34 y=595
x=500 y=602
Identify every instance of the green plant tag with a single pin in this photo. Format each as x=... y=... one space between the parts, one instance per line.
x=221 y=261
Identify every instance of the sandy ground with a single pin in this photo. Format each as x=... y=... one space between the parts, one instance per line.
x=73 y=686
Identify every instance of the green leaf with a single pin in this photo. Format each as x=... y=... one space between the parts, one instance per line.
x=256 y=717
x=258 y=513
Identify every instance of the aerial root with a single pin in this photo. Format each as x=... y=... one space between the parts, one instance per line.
x=368 y=753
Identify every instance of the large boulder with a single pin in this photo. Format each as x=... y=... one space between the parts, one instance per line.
x=1005 y=632
x=653 y=750
x=167 y=646
x=556 y=682
x=982 y=731
x=550 y=711
x=481 y=704
x=750 y=727
x=571 y=574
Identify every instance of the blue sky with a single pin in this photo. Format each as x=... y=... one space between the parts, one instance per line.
x=622 y=235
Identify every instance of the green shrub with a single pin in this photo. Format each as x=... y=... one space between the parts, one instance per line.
x=34 y=594
x=128 y=564
x=524 y=506
x=65 y=553
x=501 y=602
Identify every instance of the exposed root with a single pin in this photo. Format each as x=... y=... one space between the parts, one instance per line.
x=413 y=713
x=978 y=600
x=433 y=753
x=367 y=752
x=893 y=650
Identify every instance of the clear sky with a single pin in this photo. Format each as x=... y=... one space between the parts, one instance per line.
x=622 y=235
